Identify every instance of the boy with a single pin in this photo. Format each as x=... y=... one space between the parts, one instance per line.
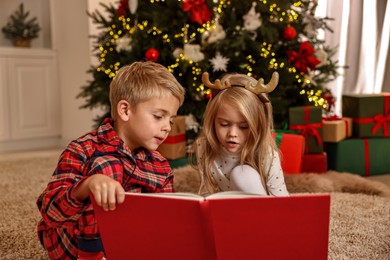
x=119 y=156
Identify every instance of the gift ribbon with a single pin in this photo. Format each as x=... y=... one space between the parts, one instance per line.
x=308 y=129
x=174 y=139
x=346 y=122
x=332 y=118
x=278 y=139
x=380 y=120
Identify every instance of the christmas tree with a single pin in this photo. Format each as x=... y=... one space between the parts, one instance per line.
x=20 y=26
x=190 y=37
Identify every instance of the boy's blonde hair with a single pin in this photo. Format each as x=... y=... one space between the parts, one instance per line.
x=141 y=81
x=257 y=114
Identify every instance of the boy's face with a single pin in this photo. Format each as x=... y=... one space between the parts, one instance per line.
x=149 y=123
x=231 y=128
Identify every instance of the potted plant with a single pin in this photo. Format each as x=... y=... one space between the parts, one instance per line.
x=20 y=28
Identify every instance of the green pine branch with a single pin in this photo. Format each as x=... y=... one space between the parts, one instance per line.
x=167 y=20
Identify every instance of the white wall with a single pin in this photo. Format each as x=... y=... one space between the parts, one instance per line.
x=70 y=40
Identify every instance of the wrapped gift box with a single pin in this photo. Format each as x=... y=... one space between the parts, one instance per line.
x=336 y=129
x=308 y=120
x=365 y=157
x=291 y=148
x=315 y=163
x=174 y=147
x=370 y=113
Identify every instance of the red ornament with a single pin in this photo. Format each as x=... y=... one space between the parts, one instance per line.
x=208 y=96
x=152 y=54
x=289 y=33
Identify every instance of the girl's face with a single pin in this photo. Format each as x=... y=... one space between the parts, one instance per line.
x=231 y=128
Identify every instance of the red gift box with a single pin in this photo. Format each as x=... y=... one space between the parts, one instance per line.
x=291 y=148
x=317 y=163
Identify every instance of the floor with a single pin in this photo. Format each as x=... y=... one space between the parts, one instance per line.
x=56 y=151
x=30 y=153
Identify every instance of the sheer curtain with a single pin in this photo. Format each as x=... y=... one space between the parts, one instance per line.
x=362 y=34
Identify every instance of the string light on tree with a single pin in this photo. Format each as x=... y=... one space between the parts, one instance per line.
x=189 y=37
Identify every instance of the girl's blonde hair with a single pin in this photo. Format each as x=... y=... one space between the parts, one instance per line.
x=257 y=114
x=141 y=81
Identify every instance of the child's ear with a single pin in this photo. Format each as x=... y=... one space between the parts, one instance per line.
x=123 y=110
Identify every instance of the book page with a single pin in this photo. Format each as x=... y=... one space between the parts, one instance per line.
x=193 y=196
x=233 y=194
x=172 y=195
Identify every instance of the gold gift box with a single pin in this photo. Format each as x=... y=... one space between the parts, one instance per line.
x=174 y=147
x=336 y=130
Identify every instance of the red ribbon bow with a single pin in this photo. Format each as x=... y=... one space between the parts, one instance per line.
x=303 y=59
x=332 y=118
x=380 y=120
x=199 y=12
x=309 y=130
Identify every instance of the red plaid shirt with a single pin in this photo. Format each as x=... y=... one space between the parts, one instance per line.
x=68 y=225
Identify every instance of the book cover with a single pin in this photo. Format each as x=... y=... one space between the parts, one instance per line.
x=227 y=225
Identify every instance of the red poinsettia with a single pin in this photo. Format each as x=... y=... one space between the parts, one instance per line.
x=304 y=58
x=330 y=99
x=199 y=12
x=123 y=6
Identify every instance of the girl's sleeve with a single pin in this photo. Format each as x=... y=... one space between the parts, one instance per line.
x=275 y=178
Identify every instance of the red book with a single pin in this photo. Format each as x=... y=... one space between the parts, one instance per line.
x=227 y=225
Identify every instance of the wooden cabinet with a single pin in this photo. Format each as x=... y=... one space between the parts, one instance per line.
x=4 y=106
x=29 y=96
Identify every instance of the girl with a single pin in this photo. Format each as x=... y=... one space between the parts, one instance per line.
x=235 y=150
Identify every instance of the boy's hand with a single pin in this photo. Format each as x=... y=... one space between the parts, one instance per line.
x=106 y=191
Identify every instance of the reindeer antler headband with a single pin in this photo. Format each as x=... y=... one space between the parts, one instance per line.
x=258 y=89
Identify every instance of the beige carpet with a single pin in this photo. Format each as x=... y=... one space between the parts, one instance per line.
x=359 y=226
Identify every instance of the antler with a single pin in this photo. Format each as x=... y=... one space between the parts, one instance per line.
x=261 y=88
x=217 y=84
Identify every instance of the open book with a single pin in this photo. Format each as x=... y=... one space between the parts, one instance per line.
x=227 y=225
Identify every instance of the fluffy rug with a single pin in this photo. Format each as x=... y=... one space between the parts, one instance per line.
x=187 y=179
x=359 y=225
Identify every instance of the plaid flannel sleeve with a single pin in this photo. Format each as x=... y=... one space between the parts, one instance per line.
x=57 y=205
